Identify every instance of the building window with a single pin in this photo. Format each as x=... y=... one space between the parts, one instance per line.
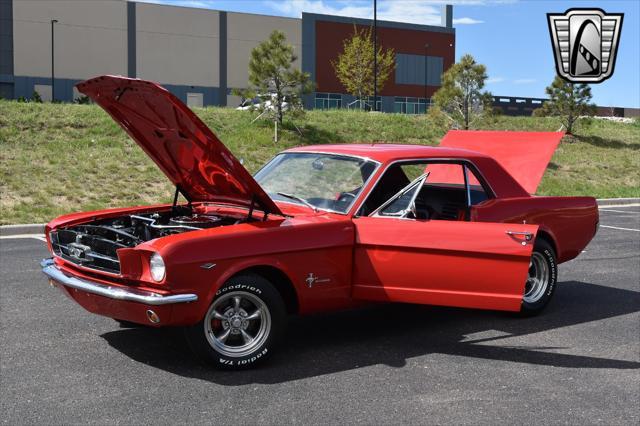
x=411 y=105
x=44 y=90
x=412 y=69
x=328 y=100
x=366 y=104
x=194 y=100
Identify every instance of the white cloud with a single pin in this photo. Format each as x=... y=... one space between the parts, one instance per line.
x=409 y=11
x=524 y=80
x=202 y=4
x=412 y=11
x=425 y=12
x=458 y=2
x=295 y=8
x=493 y=80
x=466 y=21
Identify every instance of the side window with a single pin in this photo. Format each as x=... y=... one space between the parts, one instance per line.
x=394 y=179
x=442 y=195
x=403 y=205
x=446 y=191
x=476 y=190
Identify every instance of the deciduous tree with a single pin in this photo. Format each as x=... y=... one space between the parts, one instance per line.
x=354 y=66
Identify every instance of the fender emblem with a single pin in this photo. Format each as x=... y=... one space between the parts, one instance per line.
x=312 y=279
x=208 y=265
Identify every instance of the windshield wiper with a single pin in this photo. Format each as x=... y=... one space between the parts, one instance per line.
x=302 y=200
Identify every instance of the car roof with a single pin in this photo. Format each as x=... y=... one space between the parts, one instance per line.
x=501 y=182
x=386 y=152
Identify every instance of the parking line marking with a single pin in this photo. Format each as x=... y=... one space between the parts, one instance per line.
x=23 y=236
x=622 y=229
x=620 y=205
x=619 y=211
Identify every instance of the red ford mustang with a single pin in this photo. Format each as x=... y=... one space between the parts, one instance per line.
x=317 y=229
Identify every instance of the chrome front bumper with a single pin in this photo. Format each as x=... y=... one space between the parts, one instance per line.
x=51 y=270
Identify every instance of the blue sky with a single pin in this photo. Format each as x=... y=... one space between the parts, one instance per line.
x=510 y=37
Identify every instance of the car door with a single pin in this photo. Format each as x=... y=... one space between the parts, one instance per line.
x=458 y=263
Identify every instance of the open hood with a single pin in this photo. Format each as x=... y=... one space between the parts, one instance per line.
x=525 y=155
x=184 y=148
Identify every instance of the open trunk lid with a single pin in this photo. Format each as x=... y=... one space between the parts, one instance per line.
x=525 y=155
x=184 y=148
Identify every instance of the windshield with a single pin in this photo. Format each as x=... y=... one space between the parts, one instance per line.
x=326 y=181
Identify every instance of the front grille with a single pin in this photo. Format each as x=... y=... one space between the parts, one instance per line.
x=85 y=249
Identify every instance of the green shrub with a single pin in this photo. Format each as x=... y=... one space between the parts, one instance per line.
x=35 y=97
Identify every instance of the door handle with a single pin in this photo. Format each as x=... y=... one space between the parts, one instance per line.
x=528 y=236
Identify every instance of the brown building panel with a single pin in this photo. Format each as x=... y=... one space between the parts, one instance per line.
x=330 y=37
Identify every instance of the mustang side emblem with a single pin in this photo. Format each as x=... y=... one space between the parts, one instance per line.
x=312 y=279
x=585 y=42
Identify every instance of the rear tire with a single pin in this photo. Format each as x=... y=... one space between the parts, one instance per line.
x=242 y=326
x=541 y=279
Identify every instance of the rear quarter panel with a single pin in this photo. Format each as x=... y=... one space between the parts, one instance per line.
x=571 y=222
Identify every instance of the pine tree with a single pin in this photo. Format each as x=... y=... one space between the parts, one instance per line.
x=274 y=80
x=461 y=96
x=568 y=102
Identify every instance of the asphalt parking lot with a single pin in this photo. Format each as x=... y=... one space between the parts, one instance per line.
x=578 y=363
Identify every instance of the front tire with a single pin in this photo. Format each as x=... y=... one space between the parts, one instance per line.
x=541 y=279
x=242 y=326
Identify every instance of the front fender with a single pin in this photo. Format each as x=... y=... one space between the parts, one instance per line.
x=322 y=246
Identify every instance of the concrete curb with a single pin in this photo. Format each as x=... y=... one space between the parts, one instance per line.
x=27 y=228
x=617 y=201
x=38 y=228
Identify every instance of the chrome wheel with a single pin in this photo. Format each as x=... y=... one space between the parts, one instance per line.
x=538 y=278
x=237 y=324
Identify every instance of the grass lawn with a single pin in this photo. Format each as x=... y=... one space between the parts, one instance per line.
x=63 y=158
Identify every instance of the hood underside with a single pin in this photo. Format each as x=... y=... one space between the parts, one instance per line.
x=184 y=148
x=525 y=155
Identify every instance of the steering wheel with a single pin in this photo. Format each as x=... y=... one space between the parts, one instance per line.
x=412 y=212
x=342 y=195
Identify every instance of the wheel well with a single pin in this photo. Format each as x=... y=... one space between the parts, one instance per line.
x=547 y=237
x=280 y=281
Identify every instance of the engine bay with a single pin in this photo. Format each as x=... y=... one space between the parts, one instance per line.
x=94 y=244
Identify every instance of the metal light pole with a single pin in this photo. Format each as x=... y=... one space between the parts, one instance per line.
x=375 y=55
x=53 y=74
x=426 y=68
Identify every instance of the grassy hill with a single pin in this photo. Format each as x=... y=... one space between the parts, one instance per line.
x=63 y=158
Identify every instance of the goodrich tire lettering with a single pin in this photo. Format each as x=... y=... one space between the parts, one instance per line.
x=242 y=326
x=225 y=289
x=552 y=267
x=543 y=259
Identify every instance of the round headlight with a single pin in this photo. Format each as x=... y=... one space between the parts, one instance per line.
x=156 y=266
